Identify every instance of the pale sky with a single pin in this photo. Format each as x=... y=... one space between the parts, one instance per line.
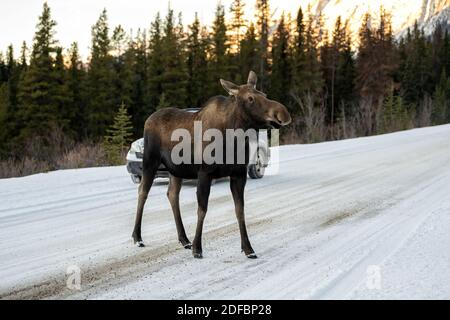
x=18 y=18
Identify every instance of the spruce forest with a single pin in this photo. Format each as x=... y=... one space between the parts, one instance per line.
x=58 y=111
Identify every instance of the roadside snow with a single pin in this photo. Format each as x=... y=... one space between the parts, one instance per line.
x=361 y=218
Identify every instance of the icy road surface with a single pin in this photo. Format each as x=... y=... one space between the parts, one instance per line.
x=361 y=218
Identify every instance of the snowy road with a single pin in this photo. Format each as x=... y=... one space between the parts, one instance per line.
x=362 y=218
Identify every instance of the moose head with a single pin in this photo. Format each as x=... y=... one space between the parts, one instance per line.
x=256 y=108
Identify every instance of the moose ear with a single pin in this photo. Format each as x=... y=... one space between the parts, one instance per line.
x=230 y=87
x=252 y=79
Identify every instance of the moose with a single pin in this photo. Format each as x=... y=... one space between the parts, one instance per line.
x=245 y=108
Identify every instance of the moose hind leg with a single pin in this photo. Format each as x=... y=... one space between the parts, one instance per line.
x=173 y=193
x=144 y=189
x=237 y=186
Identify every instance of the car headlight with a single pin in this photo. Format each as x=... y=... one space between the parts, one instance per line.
x=137 y=146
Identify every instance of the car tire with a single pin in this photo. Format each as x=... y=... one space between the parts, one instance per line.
x=256 y=171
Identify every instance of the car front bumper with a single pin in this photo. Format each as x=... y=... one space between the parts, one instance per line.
x=135 y=168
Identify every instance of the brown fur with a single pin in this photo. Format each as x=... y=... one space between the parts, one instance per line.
x=245 y=108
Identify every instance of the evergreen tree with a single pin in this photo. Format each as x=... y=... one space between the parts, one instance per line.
x=13 y=75
x=346 y=76
x=417 y=72
x=101 y=97
x=4 y=104
x=155 y=64
x=299 y=63
x=339 y=72
x=38 y=109
x=140 y=103
x=441 y=100
x=23 y=56
x=196 y=65
x=237 y=24
x=376 y=63
x=119 y=41
x=437 y=52
x=118 y=136
x=123 y=49
x=313 y=73
x=446 y=53
x=219 y=66
x=280 y=77
x=174 y=76
x=76 y=93
x=249 y=52
x=3 y=69
x=394 y=116
x=60 y=93
x=10 y=65
x=263 y=25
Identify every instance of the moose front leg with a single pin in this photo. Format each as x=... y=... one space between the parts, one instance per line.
x=237 y=186
x=203 y=189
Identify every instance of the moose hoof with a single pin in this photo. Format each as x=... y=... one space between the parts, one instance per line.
x=197 y=255
x=252 y=256
x=140 y=244
x=187 y=246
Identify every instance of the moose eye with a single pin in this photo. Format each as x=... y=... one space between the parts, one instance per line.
x=251 y=99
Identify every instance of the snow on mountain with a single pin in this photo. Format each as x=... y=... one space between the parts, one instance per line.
x=428 y=13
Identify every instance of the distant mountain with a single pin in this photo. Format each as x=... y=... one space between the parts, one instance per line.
x=428 y=13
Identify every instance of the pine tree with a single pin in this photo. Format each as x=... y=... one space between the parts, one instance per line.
x=60 y=93
x=119 y=41
x=313 y=73
x=174 y=76
x=346 y=75
x=4 y=104
x=395 y=115
x=3 y=70
x=38 y=110
x=446 y=53
x=13 y=74
x=219 y=66
x=76 y=93
x=140 y=107
x=437 y=48
x=23 y=65
x=118 y=136
x=196 y=65
x=441 y=100
x=123 y=49
x=249 y=52
x=417 y=71
x=280 y=77
x=299 y=77
x=263 y=26
x=101 y=97
x=376 y=63
x=155 y=64
x=237 y=24
x=339 y=72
